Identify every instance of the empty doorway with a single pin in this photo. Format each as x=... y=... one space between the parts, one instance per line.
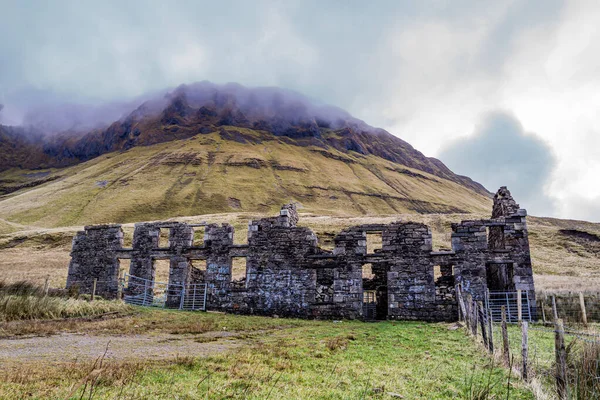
x=375 y=293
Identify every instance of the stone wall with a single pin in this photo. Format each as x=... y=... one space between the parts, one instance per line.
x=93 y=257
x=288 y=274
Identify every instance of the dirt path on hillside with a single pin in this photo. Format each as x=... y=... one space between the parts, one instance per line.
x=69 y=347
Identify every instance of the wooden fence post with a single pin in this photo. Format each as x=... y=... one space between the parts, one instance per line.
x=525 y=349
x=47 y=285
x=461 y=304
x=561 y=359
x=482 y=324
x=94 y=289
x=467 y=315
x=490 y=324
x=519 y=306
x=543 y=309
x=505 y=346
x=583 y=313
x=554 y=310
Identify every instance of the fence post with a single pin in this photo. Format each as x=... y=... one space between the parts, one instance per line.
x=554 y=310
x=543 y=309
x=490 y=324
x=505 y=347
x=46 y=285
x=519 y=306
x=525 y=349
x=94 y=289
x=561 y=359
x=467 y=315
x=461 y=303
x=583 y=313
x=482 y=324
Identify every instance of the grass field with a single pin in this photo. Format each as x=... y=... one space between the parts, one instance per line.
x=278 y=359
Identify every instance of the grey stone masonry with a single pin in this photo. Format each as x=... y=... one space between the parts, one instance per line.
x=93 y=256
x=288 y=274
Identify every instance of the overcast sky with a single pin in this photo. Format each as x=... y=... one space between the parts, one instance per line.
x=506 y=92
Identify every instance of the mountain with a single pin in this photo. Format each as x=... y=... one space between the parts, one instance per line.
x=215 y=148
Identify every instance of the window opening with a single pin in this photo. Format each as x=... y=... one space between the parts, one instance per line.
x=374 y=242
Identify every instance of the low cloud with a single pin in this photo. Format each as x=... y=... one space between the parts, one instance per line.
x=581 y=208
x=501 y=153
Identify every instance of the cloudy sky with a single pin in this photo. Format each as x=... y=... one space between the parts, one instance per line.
x=503 y=91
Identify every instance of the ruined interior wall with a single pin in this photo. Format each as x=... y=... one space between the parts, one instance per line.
x=217 y=240
x=145 y=239
x=469 y=242
x=278 y=280
x=181 y=238
x=411 y=286
x=349 y=251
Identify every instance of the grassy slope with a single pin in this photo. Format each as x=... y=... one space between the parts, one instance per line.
x=206 y=174
x=282 y=359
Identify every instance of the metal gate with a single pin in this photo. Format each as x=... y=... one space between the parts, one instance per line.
x=194 y=297
x=145 y=292
x=510 y=302
x=369 y=305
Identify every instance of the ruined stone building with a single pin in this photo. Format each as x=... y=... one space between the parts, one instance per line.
x=288 y=274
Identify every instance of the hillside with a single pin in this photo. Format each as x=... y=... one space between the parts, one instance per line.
x=210 y=173
x=204 y=108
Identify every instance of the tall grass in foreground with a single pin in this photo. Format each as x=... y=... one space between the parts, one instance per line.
x=26 y=301
x=584 y=370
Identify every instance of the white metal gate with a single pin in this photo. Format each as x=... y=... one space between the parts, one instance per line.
x=510 y=302
x=194 y=297
x=145 y=292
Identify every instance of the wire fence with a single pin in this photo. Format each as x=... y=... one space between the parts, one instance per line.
x=561 y=357
x=142 y=292
x=146 y=292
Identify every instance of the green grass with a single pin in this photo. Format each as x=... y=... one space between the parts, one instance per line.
x=286 y=359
